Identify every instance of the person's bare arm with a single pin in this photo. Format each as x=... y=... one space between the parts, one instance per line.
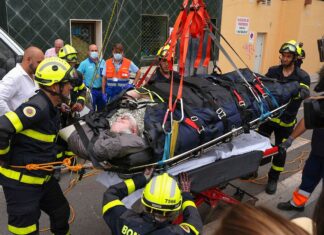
x=103 y=84
x=137 y=77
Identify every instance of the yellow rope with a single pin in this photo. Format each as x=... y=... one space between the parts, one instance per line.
x=105 y=42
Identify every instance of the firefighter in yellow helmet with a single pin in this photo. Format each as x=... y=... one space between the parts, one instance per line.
x=301 y=54
x=28 y=135
x=78 y=95
x=283 y=126
x=163 y=71
x=162 y=201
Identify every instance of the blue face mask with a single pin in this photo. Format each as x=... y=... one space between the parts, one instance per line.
x=118 y=56
x=94 y=55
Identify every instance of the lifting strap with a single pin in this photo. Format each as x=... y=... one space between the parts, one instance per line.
x=174 y=137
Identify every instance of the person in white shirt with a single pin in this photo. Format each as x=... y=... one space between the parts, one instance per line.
x=52 y=52
x=18 y=85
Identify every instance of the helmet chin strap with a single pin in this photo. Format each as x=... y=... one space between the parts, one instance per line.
x=63 y=98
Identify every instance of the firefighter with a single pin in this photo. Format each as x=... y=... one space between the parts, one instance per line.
x=284 y=125
x=78 y=95
x=28 y=135
x=162 y=200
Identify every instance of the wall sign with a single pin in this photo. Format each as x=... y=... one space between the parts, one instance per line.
x=242 y=25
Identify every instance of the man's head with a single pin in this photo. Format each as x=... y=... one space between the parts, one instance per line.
x=54 y=77
x=58 y=44
x=31 y=59
x=93 y=52
x=118 y=52
x=162 y=197
x=163 y=63
x=288 y=53
x=125 y=124
x=69 y=54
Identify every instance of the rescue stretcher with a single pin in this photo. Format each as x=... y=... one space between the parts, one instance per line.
x=207 y=171
x=195 y=153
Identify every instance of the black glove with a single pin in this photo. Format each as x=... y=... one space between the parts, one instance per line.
x=286 y=144
x=304 y=93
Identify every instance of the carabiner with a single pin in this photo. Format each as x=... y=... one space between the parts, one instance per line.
x=165 y=120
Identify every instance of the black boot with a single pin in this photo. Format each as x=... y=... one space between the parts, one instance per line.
x=287 y=206
x=271 y=187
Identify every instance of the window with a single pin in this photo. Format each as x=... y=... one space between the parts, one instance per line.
x=264 y=2
x=154 y=34
x=7 y=59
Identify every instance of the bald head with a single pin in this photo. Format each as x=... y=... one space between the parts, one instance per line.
x=31 y=59
x=58 y=44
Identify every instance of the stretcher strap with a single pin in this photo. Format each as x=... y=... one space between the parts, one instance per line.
x=166 y=152
x=140 y=82
x=207 y=58
x=174 y=137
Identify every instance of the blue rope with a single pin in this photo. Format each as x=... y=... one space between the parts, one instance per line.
x=166 y=152
x=273 y=99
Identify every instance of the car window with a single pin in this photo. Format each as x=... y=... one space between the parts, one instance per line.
x=7 y=59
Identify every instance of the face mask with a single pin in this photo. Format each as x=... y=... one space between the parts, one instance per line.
x=94 y=55
x=118 y=56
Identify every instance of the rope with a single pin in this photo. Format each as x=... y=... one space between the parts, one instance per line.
x=301 y=158
x=72 y=184
x=51 y=166
x=106 y=37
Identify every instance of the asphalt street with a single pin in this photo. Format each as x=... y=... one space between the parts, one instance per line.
x=86 y=197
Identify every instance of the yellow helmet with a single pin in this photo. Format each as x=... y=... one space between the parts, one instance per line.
x=290 y=47
x=162 y=52
x=68 y=53
x=53 y=70
x=162 y=194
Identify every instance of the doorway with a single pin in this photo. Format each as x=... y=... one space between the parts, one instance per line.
x=258 y=56
x=83 y=33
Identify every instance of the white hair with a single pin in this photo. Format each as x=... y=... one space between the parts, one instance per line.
x=132 y=121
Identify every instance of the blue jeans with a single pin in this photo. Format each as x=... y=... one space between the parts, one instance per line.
x=98 y=103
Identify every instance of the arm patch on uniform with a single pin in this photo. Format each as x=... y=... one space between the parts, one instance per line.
x=185 y=228
x=29 y=111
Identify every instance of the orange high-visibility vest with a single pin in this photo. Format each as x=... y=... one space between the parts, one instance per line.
x=123 y=72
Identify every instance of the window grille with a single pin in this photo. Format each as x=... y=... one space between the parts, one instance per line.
x=154 y=34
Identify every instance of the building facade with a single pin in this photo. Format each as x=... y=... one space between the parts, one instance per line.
x=141 y=25
x=257 y=29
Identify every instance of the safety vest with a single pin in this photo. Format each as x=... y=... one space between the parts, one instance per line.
x=123 y=72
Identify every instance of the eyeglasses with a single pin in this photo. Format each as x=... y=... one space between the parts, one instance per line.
x=72 y=58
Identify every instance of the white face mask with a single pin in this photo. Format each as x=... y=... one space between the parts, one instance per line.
x=118 y=56
x=94 y=54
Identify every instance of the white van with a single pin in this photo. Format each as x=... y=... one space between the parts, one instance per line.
x=10 y=53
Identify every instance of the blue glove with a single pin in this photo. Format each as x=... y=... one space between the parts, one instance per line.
x=104 y=97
